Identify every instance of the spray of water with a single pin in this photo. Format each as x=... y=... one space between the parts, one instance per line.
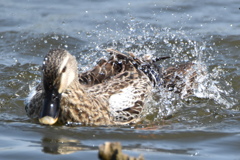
x=209 y=83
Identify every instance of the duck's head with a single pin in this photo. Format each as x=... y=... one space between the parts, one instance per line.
x=59 y=70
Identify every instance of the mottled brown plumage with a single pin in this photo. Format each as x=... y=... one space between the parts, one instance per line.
x=114 y=92
x=180 y=78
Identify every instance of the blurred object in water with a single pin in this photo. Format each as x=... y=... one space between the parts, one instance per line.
x=113 y=151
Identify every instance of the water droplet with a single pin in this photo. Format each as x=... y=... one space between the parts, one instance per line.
x=55 y=37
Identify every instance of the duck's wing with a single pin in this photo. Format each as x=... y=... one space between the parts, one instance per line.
x=127 y=103
x=125 y=94
x=119 y=63
x=104 y=70
x=125 y=82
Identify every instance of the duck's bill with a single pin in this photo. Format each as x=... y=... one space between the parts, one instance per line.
x=48 y=120
x=51 y=106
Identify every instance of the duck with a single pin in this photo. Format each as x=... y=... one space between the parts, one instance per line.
x=114 y=92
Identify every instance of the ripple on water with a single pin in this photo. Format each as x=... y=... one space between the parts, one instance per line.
x=205 y=124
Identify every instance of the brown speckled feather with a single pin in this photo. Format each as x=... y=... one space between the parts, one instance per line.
x=114 y=92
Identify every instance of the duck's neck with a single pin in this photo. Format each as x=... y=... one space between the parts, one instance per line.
x=76 y=87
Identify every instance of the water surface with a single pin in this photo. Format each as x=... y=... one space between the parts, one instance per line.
x=203 y=126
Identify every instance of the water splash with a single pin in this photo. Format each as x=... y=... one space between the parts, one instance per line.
x=147 y=39
x=210 y=83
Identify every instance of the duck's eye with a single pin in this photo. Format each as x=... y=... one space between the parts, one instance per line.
x=64 y=69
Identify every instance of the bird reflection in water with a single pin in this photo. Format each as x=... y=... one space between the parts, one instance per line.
x=61 y=145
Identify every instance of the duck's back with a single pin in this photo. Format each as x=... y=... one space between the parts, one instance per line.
x=121 y=65
x=122 y=82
